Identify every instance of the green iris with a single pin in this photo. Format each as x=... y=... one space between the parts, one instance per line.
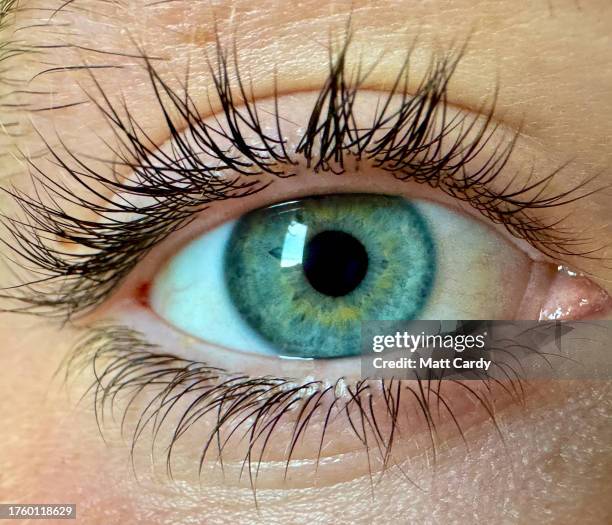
x=305 y=273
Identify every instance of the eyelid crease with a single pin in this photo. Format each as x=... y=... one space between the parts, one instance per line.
x=403 y=142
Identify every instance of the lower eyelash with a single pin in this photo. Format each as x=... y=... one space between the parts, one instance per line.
x=127 y=367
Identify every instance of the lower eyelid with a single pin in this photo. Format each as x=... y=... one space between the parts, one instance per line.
x=331 y=446
x=140 y=317
x=468 y=406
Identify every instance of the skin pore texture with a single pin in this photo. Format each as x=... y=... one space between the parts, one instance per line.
x=549 y=459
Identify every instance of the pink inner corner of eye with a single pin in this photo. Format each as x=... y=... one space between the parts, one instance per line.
x=573 y=296
x=143 y=293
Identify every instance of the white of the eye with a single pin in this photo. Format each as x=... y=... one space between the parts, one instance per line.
x=479 y=274
x=198 y=302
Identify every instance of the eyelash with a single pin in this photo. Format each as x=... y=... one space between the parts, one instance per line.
x=410 y=148
x=405 y=143
x=125 y=366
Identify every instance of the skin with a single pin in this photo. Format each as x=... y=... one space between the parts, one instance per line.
x=551 y=61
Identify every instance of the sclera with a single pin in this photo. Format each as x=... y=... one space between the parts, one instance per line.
x=479 y=275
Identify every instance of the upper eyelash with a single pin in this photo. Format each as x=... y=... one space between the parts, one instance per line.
x=181 y=184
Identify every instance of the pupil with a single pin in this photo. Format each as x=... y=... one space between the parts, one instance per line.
x=335 y=263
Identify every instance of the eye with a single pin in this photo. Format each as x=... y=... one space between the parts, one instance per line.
x=297 y=278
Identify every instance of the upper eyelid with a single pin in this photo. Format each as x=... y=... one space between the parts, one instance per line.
x=440 y=71
x=72 y=228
